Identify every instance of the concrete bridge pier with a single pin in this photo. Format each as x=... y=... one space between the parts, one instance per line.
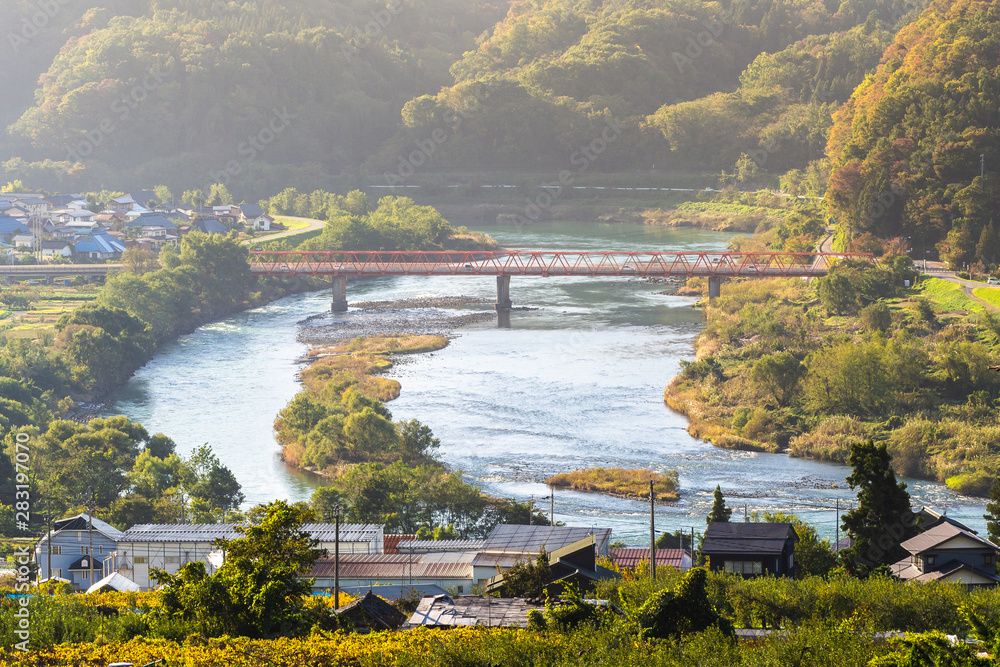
x=503 y=303
x=339 y=304
x=714 y=287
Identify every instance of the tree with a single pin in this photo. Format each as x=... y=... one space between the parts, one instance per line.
x=686 y=610
x=212 y=486
x=139 y=261
x=527 y=578
x=813 y=556
x=418 y=440
x=882 y=518
x=876 y=317
x=218 y=195
x=193 y=198
x=778 y=374
x=260 y=589
x=163 y=194
x=992 y=515
x=720 y=513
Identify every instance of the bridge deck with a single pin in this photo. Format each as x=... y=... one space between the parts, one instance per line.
x=547 y=263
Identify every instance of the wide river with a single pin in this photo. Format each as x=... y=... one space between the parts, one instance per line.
x=575 y=382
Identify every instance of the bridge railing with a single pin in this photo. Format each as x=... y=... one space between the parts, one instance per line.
x=547 y=263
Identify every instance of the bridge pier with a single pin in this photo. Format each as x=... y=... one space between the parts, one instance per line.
x=49 y=280
x=503 y=303
x=714 y=287
x=339 y=304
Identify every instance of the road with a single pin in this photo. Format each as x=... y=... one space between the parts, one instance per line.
x=313 y=226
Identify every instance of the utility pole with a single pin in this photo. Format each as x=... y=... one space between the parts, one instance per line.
x=836 y=545
x=746 y=518
x=48 y=539
x=90 y=531
x=336 y=560
x=531 y=505
x=552 y=505
x=652 y=533
x=982 y=165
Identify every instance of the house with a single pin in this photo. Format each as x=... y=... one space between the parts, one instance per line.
x=153 y=226
x=751 y=549
x=26 y=241
x=208 y=226
x=253 y=216
x=628 y=558
x=950 y=552
x=35 y=206
x=170 y=546
x=508 y=545
x=448 y=570
x=56 y=248
x=394 y=591
x=431 y=546
x=99 y=246
x=446 y=611
x=9 y=228
x=143 y=198
x=370 y=613
x=63 y=553
x=573 y=564
x=72 y=215
x=122 y=204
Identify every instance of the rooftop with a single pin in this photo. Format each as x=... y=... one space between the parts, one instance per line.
x=449 y=611
x=518 y=539
x=209 y=532
x=738 y=538
x=941 y=533
x=397 y=566
x=629 y=557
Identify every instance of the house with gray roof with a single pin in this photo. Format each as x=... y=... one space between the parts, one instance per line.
x=171 y=546
x=66 y=553
x=508 y=545
x=949 y=552
x=447 y=611
x=751 y=549
x=253 y=216
x=208 y=226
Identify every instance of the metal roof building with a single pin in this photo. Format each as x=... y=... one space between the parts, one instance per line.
x=447 y=570
x=443 y=611
x=170 y=546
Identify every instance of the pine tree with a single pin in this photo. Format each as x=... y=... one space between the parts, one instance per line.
x=992 y=515
x=882 y=518
x=720 y=512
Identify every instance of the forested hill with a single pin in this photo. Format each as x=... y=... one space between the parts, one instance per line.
x=906 y=148
x=184 y=85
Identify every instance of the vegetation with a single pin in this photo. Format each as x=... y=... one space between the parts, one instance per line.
x=905 y=149
x=620 y=482
x=720 y=513
x=773 y=372
x=355 y=223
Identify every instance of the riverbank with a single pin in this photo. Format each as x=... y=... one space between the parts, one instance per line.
x=778 y=369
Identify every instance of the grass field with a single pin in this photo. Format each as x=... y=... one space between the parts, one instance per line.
x=988 y=294
x=947 y=296
x=48 y=304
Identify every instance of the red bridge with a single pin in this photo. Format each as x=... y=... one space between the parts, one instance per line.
x=544 y=263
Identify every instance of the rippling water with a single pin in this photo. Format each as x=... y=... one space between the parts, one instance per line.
x=575 y=382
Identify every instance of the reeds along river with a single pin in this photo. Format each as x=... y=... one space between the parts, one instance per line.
x=577 y=381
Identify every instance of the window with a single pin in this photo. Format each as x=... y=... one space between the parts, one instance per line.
x=989 y=559
x=172 y=559
x=928 y=561
x=100 y=548
x=85 y=574
x=139 y=560
x=57 y=550
x=83 y=551
x=57 y=572
x=743 y=566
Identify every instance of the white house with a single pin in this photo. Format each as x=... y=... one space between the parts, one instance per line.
x=253 y=216
x=24 y=241
x=56 y=248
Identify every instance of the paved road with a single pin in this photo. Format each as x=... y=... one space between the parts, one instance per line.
x=967 y=287
x=313 y=226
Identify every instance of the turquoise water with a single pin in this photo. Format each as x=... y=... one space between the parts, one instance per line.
x=577 y=381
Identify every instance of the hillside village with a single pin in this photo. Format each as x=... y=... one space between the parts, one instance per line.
x=68 y=227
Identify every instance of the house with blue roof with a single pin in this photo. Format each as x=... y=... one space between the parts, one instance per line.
x=66 y=552
x=99 y=245
x=9 y=228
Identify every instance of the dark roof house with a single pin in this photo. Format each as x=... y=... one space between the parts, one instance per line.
x=751 y=549
x=575 y=563
x=208 y=226
x=444 y=611
x=627 y=558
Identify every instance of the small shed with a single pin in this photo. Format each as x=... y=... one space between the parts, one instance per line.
x=114 y=582
x=370 y=613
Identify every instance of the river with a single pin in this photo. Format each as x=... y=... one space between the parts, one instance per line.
x=576 y=381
